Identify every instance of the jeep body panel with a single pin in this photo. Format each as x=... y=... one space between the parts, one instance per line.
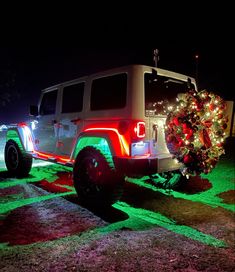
x=106 y=110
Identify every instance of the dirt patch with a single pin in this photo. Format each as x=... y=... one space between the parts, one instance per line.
x=228 y=197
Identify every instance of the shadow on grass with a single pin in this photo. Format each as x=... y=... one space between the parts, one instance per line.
x=195 y=185
x=108 y=213
x=6 y=175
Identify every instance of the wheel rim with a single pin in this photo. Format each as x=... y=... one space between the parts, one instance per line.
x=91 y=175
x=12 y=157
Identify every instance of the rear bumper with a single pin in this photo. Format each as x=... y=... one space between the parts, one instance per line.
x=146 y=166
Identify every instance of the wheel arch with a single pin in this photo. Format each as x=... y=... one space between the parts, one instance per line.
x=22 y=136
x=104 y=141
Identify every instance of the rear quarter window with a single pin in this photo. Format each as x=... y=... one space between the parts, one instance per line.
x=72 y=99
x=109 y=92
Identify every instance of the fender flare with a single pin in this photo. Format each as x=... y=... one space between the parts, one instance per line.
x=113 y=139
x=22 y=135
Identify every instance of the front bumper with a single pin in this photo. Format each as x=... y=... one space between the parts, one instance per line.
x=146 y=165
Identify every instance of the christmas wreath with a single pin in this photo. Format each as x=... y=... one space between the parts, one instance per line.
x=195 y=131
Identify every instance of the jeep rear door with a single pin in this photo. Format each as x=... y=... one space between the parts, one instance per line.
x=160 y=95
x=70 y=117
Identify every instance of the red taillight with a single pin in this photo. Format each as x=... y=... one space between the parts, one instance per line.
x=139 y=130
x=22 y=124
x=134 y=128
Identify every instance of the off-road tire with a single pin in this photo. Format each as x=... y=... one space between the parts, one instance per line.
x=17 y=161
x=96 y=182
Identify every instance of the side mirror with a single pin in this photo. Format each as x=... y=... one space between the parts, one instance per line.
x=33 y=110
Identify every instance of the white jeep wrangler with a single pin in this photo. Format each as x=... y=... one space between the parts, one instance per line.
x=104 y=125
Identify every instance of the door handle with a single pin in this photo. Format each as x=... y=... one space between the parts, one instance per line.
x=56 y=124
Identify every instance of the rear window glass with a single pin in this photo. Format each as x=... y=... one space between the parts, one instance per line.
x=162 y=91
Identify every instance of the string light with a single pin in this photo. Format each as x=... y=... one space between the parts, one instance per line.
x=195 y=131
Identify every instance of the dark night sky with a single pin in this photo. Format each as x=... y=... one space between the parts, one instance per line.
x=25 y=71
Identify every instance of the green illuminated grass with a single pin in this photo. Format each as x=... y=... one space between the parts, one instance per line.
x=139 y=219
x=48 y=172
x=3 y=246
x=7 y=207
x=154 y=218
x=222 y=179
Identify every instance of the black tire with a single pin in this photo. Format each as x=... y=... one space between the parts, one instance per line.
x=17 y=161
x=96 y=182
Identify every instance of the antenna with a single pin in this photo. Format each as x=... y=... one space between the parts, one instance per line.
x=155 y=56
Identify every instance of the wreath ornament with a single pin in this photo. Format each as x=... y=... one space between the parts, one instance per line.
x=195 y=131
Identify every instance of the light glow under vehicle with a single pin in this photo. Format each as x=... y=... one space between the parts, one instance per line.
x=54 y=157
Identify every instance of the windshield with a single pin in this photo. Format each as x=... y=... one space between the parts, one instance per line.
x=161 y=92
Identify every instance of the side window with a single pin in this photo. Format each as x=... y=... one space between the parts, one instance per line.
x=73 y=98
x=48 y=104
x=109 y=92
